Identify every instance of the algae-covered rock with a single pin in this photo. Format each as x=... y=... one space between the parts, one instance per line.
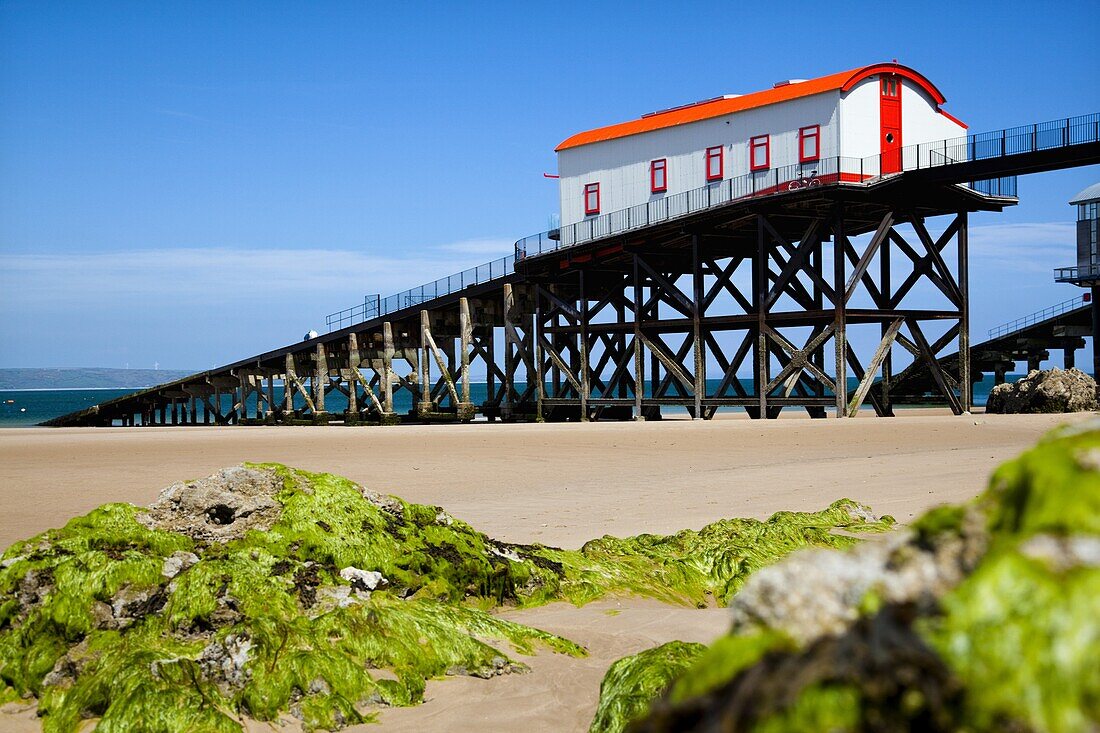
x=1047 y=390
x=984 y=617
x=632 y=682
x=263 y=590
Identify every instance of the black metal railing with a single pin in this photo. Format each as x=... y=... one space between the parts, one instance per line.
x=422 y=293
x=981 y=146
x=1076 y=274
x=356 y=314
x=786 y=179
x=1038 y=316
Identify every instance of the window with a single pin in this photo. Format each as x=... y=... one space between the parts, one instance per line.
x=591 y=198
x=809 y=143
x=759 y=152
x=714 y=163
x=658 y=176
x=890 y=86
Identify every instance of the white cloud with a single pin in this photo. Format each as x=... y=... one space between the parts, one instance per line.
x=213 y=274
x=1024 y=247
x=492 y=248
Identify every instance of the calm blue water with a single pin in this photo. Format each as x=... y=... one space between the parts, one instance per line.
x=21 y=408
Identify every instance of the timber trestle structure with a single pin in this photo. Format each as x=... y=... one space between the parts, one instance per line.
x=795 y=301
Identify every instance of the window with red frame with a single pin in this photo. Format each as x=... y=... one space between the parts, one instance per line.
x=715 y=163
x=658 y=176
x=760 y=152
x=809 y=143
x=591 y=198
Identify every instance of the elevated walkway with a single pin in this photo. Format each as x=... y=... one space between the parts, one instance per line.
x=542 y=300
x=1029 y=339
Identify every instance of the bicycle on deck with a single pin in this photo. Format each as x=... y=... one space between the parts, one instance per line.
x=810 y=181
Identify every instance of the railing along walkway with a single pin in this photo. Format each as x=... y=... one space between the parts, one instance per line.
x=1006 y=329
x=1010 y=141
x=981 y=146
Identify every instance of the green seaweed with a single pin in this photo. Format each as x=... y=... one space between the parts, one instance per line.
x=304 y=642
x=694 y=566
x=723 y=660
x=632 y=682
x=1053 y=488
x=832 y=708
x=1012 y=647
x=1025 y=639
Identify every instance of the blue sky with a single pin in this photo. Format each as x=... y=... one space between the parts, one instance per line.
x=190 y=183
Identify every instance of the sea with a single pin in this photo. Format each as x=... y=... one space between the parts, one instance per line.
x=28 y=407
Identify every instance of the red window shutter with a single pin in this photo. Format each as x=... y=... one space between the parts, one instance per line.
x=658 y=176
x=591 y=198
x=715 y=163
x=760 y=153
x=809 y=144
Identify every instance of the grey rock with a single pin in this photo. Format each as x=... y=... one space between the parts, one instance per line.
x=1048 y=390
x=177 y=562
x=218 y=508
x=363 y=580
x=817 y=593
x=224 y=662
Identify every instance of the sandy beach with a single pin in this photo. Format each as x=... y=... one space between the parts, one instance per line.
x=558 y=484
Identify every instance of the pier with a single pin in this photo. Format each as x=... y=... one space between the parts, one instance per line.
x=622 y=315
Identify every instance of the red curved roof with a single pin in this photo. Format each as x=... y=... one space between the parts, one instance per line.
x=842 y=81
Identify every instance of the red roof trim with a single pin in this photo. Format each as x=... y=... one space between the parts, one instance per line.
x=842 y=81
x=953 y=118
x=898 y=70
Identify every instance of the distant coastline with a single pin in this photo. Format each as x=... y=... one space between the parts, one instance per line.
x=27 y=379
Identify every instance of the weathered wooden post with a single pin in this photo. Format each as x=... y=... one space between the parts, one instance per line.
x=966 y=387
x=245 y=379
x=639 y=352
x=510 y=338
x=351 y=416
x=465 y=408
x=840 y=316
x=289 y=379
x=425 y=407
x=389 y=416
x=697 y=328
x=582 y=354
x=320 y=379
x=269 y=413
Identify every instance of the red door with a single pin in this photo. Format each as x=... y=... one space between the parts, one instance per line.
x=889 y=113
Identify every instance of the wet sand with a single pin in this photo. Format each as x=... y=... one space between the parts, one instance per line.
x=559 y=484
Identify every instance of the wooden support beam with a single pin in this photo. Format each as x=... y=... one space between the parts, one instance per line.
x=933 y=366
x=700 y=386
x=444 y=367
x=881 y=235
x=840 y=326
x=465 y=408
x=876 y=361
x=582 y=354
x=639 y=352
x=760 y=305
x=320 y=377
x=354 y=361
x=511 y=341
x=675 y=369
x=966 y=387
x=386 y=374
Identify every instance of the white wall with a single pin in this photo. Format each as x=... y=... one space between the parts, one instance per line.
x=621 y=166
x=859 y=119
x=849 y=128
x=920 y=122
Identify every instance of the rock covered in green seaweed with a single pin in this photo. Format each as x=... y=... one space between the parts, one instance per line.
x=249 y=593
x=984 y=617
x=632 y=682
x=226 y=598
